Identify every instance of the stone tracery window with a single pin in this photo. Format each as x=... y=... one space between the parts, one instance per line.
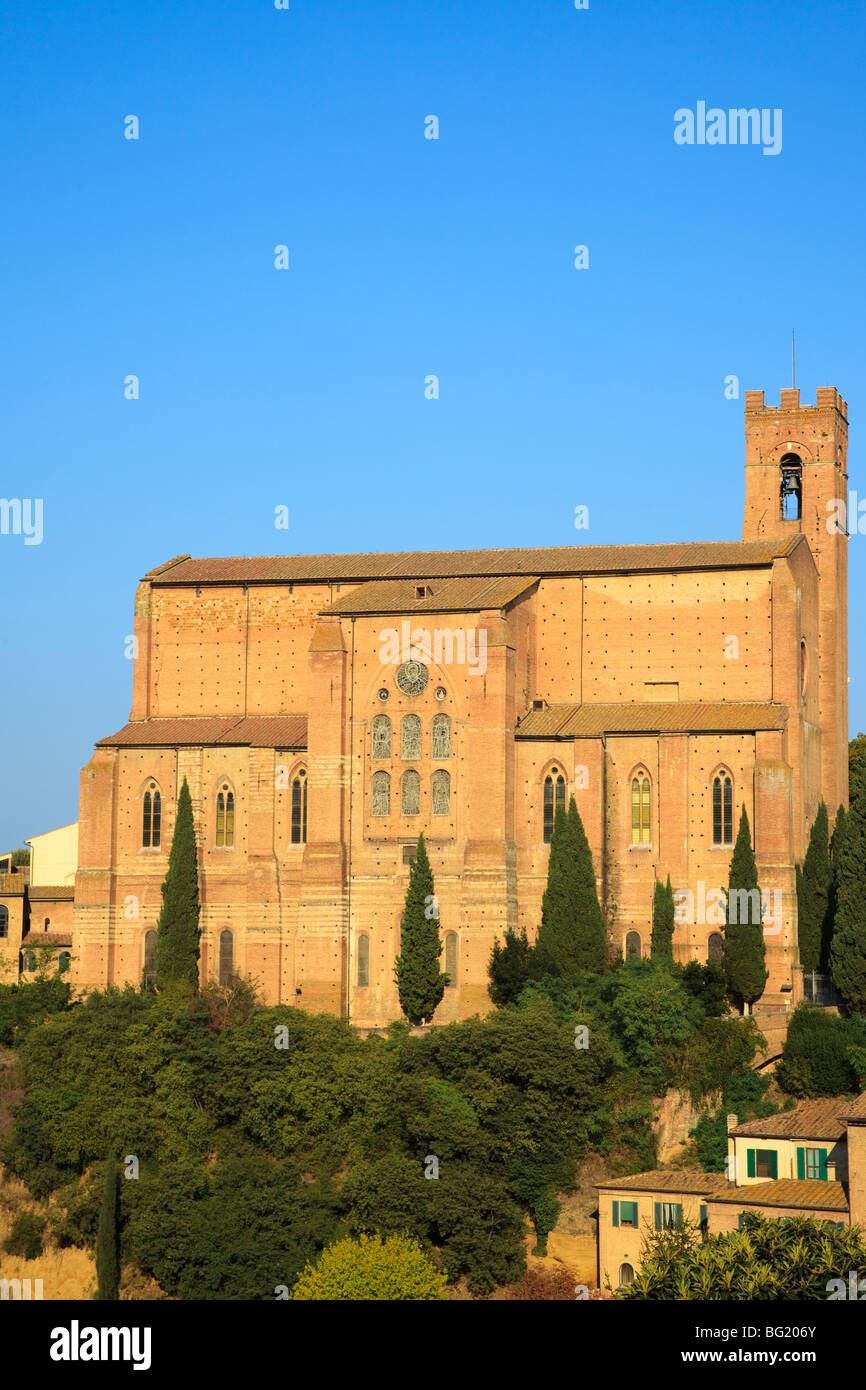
x=227 y=957
x=151 y=817
x=451 y=959
x=440 y=787
x=381 y=794
x=363 y=960
x=640 y=808
x=723 y=809
x=299 y=808
x=410 y=793
x=381 y=736
x=225 y=817
x=554 y=800
x=441 y=737
x=410 y=737
x=150 y=956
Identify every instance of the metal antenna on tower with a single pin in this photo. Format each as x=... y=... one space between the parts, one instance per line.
x=793 y=361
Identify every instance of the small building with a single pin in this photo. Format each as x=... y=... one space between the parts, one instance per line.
x=36 y=905
x=809 y=1161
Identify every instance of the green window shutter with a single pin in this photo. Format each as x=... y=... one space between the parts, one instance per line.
x=634 y=1214
x=750 y=1163
x=702 y=1216
x=774 y=1164
x=801 y=1163
x=616 y=1213
x=678 y=1213
x=658 y=1215
x=822 y=1170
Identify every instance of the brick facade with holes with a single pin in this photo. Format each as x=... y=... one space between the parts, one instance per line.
x=669 y=666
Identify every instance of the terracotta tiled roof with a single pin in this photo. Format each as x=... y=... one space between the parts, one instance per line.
x=691 y=1180
x=49 y=893
x=446 y=595
x=591 y=721
x=811 y=1119
x=255 y=731
x=432 y=564
x=806 y=1193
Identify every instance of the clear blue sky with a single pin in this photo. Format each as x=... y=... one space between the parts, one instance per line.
x=407 y=257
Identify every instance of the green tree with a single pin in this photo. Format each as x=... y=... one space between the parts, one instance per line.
x=420 y=982
x=177 y=939
x=108 y=1238
x=792 y=1258
x=819 y=1057
x=813 y=891
x=511 y=967
x=745 y=954
x=848 y=948
x=394 y=1269
x=663 y=923
x=571 y=938
x=836 y=843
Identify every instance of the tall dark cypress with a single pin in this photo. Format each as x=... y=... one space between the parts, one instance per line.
x=177 y=939
x=848 y=948
x=663 y=923
x=108 y=1238
x=833 y=895
x=813 y=890
x=571 y=937
x=745 y=955
x=420 y=982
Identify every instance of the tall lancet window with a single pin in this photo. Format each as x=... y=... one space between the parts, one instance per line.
x=723 y=809
x=410 y=737
x=151 y=817
x=640 y=809
x=791 y=488
x=381 y=736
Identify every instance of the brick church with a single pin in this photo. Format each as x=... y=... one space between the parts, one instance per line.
x=324 y=709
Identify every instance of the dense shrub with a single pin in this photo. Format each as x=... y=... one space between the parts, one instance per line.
x=822 y=1053
x=25 y=1237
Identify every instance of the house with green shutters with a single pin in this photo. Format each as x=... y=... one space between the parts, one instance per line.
x=809 y=1161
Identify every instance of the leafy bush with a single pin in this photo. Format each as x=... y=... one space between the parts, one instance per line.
x=25 y=1237
x=544 y=1285
x=821 y=1053
x=371 y=1267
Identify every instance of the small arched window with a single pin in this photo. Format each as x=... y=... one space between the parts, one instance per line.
x=640 y=808
x=451 y=959
x=64 y=961
x=441 y=737
x=410 y=737
x=441 y=792
x=723 y=809
x=633 y=946
x=626 y=1275
x=554 y=800
x=227 y=957
x=381 y=794
x=151 y=817
x=363 y=960
x=4 y=921
x=149 y=957
x=381 y=736
x=716 y=948
x=299 y=808
x=225 y=817
x=46 y=924
x=791 y=487
x=410 y=793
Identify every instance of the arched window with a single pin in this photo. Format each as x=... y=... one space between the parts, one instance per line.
x=64 y=961
x=381 y=736
x=299 y=808
x=151 y=817
x=4 y=921
x=381 y=794
x=441 y=792
x=804 y=670
x=410 y=737
x=640 y=808
x=46 y=924
x=626 y=1274
x=716 y=948
x=554 y=800
x=723 y=809
x=149 y=956
x=227 y=957
x=363 y=960
x=791 y=488
x=451 y=959
x=633 y=946
x=441 y=737
x=410 y=793
x=225 y=817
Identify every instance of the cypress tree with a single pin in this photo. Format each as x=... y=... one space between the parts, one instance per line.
x=663 y=923
x=107 y=1237
x=745 y=968
x=813 y=891
x=177 y=929
x=833 y=895
x=572 y=936
x=420 y=983
x=848 y=948
x=511 y=967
